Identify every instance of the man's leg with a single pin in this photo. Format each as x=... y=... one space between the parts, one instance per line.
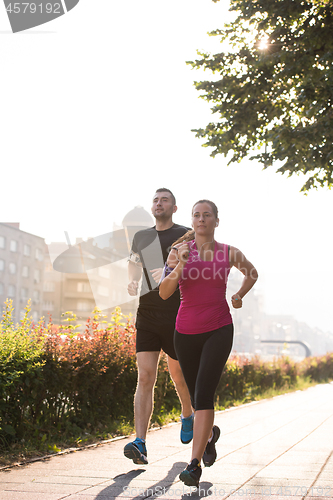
x=180 y=385
x=147 y=362
x=187 y=416
x=144 y=396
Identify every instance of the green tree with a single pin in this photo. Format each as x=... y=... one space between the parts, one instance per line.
x=273 y=87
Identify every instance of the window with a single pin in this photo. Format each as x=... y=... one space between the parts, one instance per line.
x=2 y=242
x=24 y=293
x=2 y=265
x=11 y=290
x=36 y=275
x=39 y=254
x=25 y=271
x=1 y=289
x=12 y=268
x=35 y=316
x=48 y=286
x=83 y=306
x=13 y=245
x=83 y=287
x=27 y=250
x=48 y=305
x=35 y=296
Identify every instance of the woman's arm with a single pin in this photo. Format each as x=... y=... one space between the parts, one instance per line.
x=238 y=259
x=177 y=259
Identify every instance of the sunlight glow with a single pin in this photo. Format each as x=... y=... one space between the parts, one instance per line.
x=263 y=45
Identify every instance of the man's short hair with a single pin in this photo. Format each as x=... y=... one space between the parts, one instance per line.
x=168 y=190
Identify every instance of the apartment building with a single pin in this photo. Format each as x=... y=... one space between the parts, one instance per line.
x=21 y=269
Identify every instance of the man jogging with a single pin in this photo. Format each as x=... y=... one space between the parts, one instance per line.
x=155 y=322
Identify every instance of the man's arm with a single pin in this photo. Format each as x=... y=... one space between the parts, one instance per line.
x=134 y=276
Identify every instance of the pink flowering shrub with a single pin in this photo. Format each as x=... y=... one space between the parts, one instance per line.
x=90 y=376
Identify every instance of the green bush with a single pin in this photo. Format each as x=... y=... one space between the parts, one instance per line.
x=21 y=372
x=319 y=369
x=53 y=378
x=243 y=379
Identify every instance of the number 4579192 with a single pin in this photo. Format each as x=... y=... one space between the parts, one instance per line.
x=32 y=8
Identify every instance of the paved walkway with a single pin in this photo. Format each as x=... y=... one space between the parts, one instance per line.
x=281 y=447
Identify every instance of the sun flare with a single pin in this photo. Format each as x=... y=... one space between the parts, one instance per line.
x=263 y=45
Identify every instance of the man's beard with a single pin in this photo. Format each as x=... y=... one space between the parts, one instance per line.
x=161 y=216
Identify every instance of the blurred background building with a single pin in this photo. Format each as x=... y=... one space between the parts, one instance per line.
x=21 y=269
x=253 y=327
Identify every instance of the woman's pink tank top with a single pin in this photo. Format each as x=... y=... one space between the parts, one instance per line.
x=203 y=285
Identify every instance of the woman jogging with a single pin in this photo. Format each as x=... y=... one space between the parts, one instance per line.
x=204 y=329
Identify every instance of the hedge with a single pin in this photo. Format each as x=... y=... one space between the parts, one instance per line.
x=56 y=378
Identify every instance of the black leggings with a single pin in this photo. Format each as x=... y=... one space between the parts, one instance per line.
x=202 y=358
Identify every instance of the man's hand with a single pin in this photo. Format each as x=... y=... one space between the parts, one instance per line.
x=157 y=274
x=236 y=301
x=133 y=288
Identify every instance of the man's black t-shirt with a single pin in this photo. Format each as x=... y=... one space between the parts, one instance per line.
x=151 y=248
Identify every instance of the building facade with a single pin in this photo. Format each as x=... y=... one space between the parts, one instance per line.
x=21 y=269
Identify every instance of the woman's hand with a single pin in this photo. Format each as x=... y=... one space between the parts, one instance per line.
x=183 y=253
x=177 y=259
x=236 y=301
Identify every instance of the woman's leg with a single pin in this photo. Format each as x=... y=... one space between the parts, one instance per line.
x=202 y=430
x=214 y=355
x=202 y=373
x=202 y=358
x=188 y=351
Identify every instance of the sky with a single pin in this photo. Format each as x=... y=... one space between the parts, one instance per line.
x=97 y=109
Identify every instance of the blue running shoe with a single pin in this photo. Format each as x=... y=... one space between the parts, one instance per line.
x=186 y=431
x=136 y=451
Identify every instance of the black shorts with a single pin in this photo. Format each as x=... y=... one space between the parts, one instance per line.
x=155 y=331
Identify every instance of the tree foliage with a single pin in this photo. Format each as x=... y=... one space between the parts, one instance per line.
x=273 y=87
